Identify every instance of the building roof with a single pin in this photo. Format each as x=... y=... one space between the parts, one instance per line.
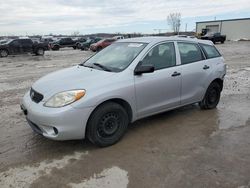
x=238 y=19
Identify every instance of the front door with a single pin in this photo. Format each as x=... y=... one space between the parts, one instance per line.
x=15 y=47
x=160 y=90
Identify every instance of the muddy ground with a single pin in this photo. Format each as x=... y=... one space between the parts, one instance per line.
x=187 y=147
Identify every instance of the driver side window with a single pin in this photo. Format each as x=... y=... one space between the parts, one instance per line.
x=161 y=56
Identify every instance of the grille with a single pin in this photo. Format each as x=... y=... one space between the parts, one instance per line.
x=35 y=96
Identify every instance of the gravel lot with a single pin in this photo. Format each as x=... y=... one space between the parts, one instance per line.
x=186 y=147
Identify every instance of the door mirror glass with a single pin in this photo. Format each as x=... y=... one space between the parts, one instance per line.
x=144 y=69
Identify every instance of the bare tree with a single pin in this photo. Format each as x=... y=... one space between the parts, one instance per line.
x=174 y=20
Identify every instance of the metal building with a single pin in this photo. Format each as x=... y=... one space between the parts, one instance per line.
x=234 y=29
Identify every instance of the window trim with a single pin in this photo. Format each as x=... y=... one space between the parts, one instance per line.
x=157 y=44
x=199 y=47
x=206 y=52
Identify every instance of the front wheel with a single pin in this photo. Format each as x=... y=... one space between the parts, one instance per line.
x=4 y=53
x=212 y=96
x=107 y=124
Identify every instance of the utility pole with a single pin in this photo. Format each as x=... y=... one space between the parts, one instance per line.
x=186 y=27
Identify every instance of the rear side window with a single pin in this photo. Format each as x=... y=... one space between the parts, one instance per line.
x=210 y=51
x=25 y=41
x=189 y=52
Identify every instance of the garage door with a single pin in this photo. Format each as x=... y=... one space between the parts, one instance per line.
x=212 y=28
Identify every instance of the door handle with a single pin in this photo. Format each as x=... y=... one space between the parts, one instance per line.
x=176 y=74
x=206 y=67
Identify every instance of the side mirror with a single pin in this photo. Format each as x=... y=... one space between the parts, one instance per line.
x=140 y=69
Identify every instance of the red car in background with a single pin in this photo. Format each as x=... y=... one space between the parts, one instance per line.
x=96 y=47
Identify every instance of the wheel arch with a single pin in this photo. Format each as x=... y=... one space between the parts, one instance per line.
x=5 y=49
x=120 y=101
x=219 y=81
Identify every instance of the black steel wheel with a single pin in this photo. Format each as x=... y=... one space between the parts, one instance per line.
x=212 y=96
x=107 y=124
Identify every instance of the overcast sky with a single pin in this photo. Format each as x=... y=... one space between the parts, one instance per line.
x=19 y=17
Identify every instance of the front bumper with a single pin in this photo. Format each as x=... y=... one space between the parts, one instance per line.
x=66 y=123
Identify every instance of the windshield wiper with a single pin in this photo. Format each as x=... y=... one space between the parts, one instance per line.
x=82 y=64
x=102 y=67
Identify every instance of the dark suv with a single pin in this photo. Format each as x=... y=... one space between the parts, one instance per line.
x=63 y=42
x=22 y=46
x=214 y=37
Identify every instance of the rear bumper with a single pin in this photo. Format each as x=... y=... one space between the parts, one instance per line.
x=66 y=123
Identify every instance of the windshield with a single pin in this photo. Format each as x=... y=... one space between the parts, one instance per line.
x=115 y=57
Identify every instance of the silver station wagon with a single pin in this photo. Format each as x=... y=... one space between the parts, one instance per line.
x=129 y=80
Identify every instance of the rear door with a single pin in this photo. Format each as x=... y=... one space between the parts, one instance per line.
x=27 y=45
x=194 y=71
x=160 y=90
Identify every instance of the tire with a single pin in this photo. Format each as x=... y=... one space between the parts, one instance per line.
x=40 y=51
x=222 y=42
x=99 y=49
x=107 y=124
x=56 y=48
x=74 y=47
x=78 y=46
x=4 y=53
x=212 y=97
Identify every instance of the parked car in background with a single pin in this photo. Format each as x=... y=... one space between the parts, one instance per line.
x=127 y=81
x=79 y=41
x=214 y=37
x=118 y=37
x=185 y=36
x=62 y=43
x=3 y=41
x=85 y=45
x=48 y=40
x=22 y=46
x=96 y=47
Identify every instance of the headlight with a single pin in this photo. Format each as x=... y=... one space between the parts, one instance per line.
x=64 y=98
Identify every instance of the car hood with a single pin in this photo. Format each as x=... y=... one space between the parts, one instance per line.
x=77 y=77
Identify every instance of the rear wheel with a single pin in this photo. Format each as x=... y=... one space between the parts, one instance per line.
x=4 y=53
x=40 y=51
x=55 y=48
x=212 y=96
x=107 y=124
